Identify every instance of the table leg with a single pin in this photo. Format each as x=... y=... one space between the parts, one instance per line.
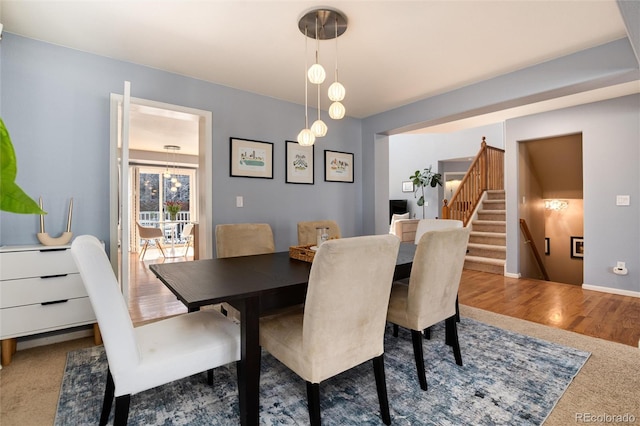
x=249 y=365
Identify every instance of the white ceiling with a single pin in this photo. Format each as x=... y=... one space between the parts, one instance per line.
x=393 y=52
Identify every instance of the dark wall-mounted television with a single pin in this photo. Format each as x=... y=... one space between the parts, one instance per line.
x=397 y=207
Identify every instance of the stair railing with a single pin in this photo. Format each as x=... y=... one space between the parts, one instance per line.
x=486 y=172
x=529 y=241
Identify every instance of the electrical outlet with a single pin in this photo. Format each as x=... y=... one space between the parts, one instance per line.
x=239 y=201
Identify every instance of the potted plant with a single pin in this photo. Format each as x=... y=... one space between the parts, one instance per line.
x=173 y=207
x=12 y=198
x=421 y=180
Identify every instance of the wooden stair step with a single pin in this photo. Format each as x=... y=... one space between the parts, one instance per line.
x=484 y=264
x=486 y=260
x=487 y=250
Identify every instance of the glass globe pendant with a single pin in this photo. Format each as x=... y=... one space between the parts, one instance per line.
x=336 y=111
x=306 y=137
x=336 y=91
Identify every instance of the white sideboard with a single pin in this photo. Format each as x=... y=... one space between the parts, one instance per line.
x=40 y=291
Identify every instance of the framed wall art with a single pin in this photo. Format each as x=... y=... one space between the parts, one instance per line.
x=299 y=160
x=338 y=166
x=407 y=186
x=577 y=247
x=249 y=158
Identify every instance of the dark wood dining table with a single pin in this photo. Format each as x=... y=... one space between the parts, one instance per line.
x=253 y=285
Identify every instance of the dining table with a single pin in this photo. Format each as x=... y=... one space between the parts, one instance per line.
x=253 y=285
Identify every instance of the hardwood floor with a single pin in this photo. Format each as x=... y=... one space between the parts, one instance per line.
x=148 y=298
x=565 y=306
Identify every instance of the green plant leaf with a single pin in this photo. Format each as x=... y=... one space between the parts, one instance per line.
x=421 y=201
x=12 y=198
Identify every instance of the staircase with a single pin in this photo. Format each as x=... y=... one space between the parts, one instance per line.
x=487 y=249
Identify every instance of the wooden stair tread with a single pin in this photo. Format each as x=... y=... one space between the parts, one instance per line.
x=488 y=234
x=487 y=247
x=489 y=222
x=488 y=260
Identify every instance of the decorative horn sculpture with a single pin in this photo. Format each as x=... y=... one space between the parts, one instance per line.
x=64 y=238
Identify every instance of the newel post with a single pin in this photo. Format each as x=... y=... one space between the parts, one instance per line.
x=484 y=164
x=445 y=209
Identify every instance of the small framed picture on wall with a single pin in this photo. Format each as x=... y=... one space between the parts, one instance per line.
x=338 y=166
x=299 y=163
x=577 y=247
x=251 y=158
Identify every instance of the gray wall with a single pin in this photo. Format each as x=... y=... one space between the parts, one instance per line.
x=408 y=153
x=55 y=104
x=611 y=154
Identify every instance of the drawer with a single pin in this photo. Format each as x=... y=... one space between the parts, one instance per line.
x=30 y=291
x=409 y=236
x=32 y=319
x=409 y=227
x=36 y=263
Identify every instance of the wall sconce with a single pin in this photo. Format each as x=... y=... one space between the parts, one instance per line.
x=556 y=205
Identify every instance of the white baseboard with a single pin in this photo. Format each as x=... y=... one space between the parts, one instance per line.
x=611 y=290
x=512 y=275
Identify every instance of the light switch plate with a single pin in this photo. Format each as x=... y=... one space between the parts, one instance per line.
x=239 y=201
x=622 y=200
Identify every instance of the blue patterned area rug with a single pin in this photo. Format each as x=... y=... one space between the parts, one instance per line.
x=507 y=379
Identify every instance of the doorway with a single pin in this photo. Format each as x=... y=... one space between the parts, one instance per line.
x=551 y=204
x=153 y=125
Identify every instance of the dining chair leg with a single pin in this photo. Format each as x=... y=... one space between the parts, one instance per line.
x=109 y=391
x=416 y=337
x=122 y=410
x=395 y=330
x=160 y=247
x=457 y=310
x=427 y=333
x=313 y=400
x=144 y=249
x=451 y=331
x=210 y=377
x=381 y=387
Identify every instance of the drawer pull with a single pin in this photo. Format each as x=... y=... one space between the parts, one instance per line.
x=53 y=276
x=52 y=250
x=54 y=302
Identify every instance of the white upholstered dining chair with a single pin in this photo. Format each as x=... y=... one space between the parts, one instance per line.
x=431 y=294
x=154 y=354
x=425 y=225
x=343 y=319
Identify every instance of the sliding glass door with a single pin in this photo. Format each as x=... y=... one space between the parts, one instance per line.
x=155 y=188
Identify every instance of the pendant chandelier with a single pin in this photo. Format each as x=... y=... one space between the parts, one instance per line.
x=175 y=184
x=321 y=24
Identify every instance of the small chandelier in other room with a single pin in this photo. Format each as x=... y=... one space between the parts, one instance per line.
x=175 y=184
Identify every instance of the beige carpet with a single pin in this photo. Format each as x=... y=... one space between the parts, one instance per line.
x=608 y=384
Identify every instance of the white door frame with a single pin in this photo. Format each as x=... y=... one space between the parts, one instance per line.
x=205 y=172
